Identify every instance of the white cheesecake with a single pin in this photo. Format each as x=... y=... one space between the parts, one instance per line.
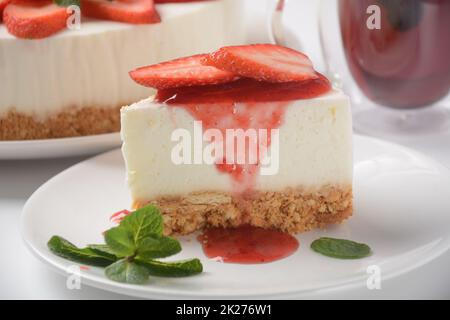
x=74 y=82
x=311 y=186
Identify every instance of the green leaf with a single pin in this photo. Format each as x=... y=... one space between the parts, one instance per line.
x=66 y=3
x=121 y=241
x=63 y=248
x=127 y=271
x=125 y=239
x=182 y=268
x=340 y=248
x=104 y=250
x=143 y=222
x=157 y=247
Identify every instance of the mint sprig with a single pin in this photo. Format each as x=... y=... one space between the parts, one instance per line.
x=340 y=248
x=130 y=250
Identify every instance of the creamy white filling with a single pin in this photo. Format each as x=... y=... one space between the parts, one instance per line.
x=315 y=149
x=89 y=67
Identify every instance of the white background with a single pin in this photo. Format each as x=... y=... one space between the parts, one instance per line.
x=24 y=277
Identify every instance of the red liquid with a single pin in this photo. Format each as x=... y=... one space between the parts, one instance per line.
x=406 y=63
x=247 y=245
x=245 y=90
x=119 y=215
x=237 y=105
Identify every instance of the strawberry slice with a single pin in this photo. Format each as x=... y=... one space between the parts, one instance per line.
x=3 y=4
x=34 y=19
x=181 y=72
x=130 y=11
x=263 y=62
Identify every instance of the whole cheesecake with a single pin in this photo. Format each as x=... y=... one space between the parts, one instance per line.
x=74 y=82
x=306 y=184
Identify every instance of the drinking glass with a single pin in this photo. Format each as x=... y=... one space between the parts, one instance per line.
x=392 y=57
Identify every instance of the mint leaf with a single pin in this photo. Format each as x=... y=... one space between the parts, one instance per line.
x=66 y=3
x=143 y=222
x=103 y=249
x=127 y=271
x=340 y=248
x=157 y=247
x=121 y=241
x=182 y=268
x=125 y=239
x=63 y=248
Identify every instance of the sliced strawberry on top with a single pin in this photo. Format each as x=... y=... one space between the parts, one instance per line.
x=263 y=62
x=3 y=4
x=34 y=19
x=181 y=72
x=130 y=11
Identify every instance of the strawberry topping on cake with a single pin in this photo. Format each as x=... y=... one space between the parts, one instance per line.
x=262 y=62
x=34 y=19
x=130 y=11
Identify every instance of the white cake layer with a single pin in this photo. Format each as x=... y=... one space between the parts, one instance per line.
x=89 y=67
x=315 y=149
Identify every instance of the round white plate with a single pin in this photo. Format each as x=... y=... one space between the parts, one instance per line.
x=402 y=205
x=58 y=148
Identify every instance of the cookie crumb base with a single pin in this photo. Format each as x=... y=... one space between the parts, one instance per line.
x=70 y=123
x=292 y=210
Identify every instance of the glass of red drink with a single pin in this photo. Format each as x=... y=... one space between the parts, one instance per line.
x=393 y=58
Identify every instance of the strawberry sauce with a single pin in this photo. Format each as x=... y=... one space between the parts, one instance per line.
x=245 y=90
x=119 y=215
x=247 y=245
x=242 y=104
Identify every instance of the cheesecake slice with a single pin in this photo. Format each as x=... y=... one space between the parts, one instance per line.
x=240 y=152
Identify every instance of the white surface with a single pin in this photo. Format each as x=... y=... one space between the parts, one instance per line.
x=25 y=277
x=314 y=134
x=58 y=148
x=89 y=67
x=390 y=215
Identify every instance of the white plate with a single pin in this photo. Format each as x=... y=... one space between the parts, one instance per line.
x=58 y=148
x=402 y=206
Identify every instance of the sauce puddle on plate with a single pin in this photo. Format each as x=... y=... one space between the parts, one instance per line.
x=247 y=244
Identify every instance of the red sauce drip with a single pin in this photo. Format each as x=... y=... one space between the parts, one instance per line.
x=247 y=245
x=245 y=90
x=238 y=105
x=119 y=215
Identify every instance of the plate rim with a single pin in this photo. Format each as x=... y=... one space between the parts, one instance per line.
x=439 y=247
x=80 y=146
x=59 y=140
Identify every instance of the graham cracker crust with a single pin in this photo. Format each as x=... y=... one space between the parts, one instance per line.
x=292 y=210
x=70 y=123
